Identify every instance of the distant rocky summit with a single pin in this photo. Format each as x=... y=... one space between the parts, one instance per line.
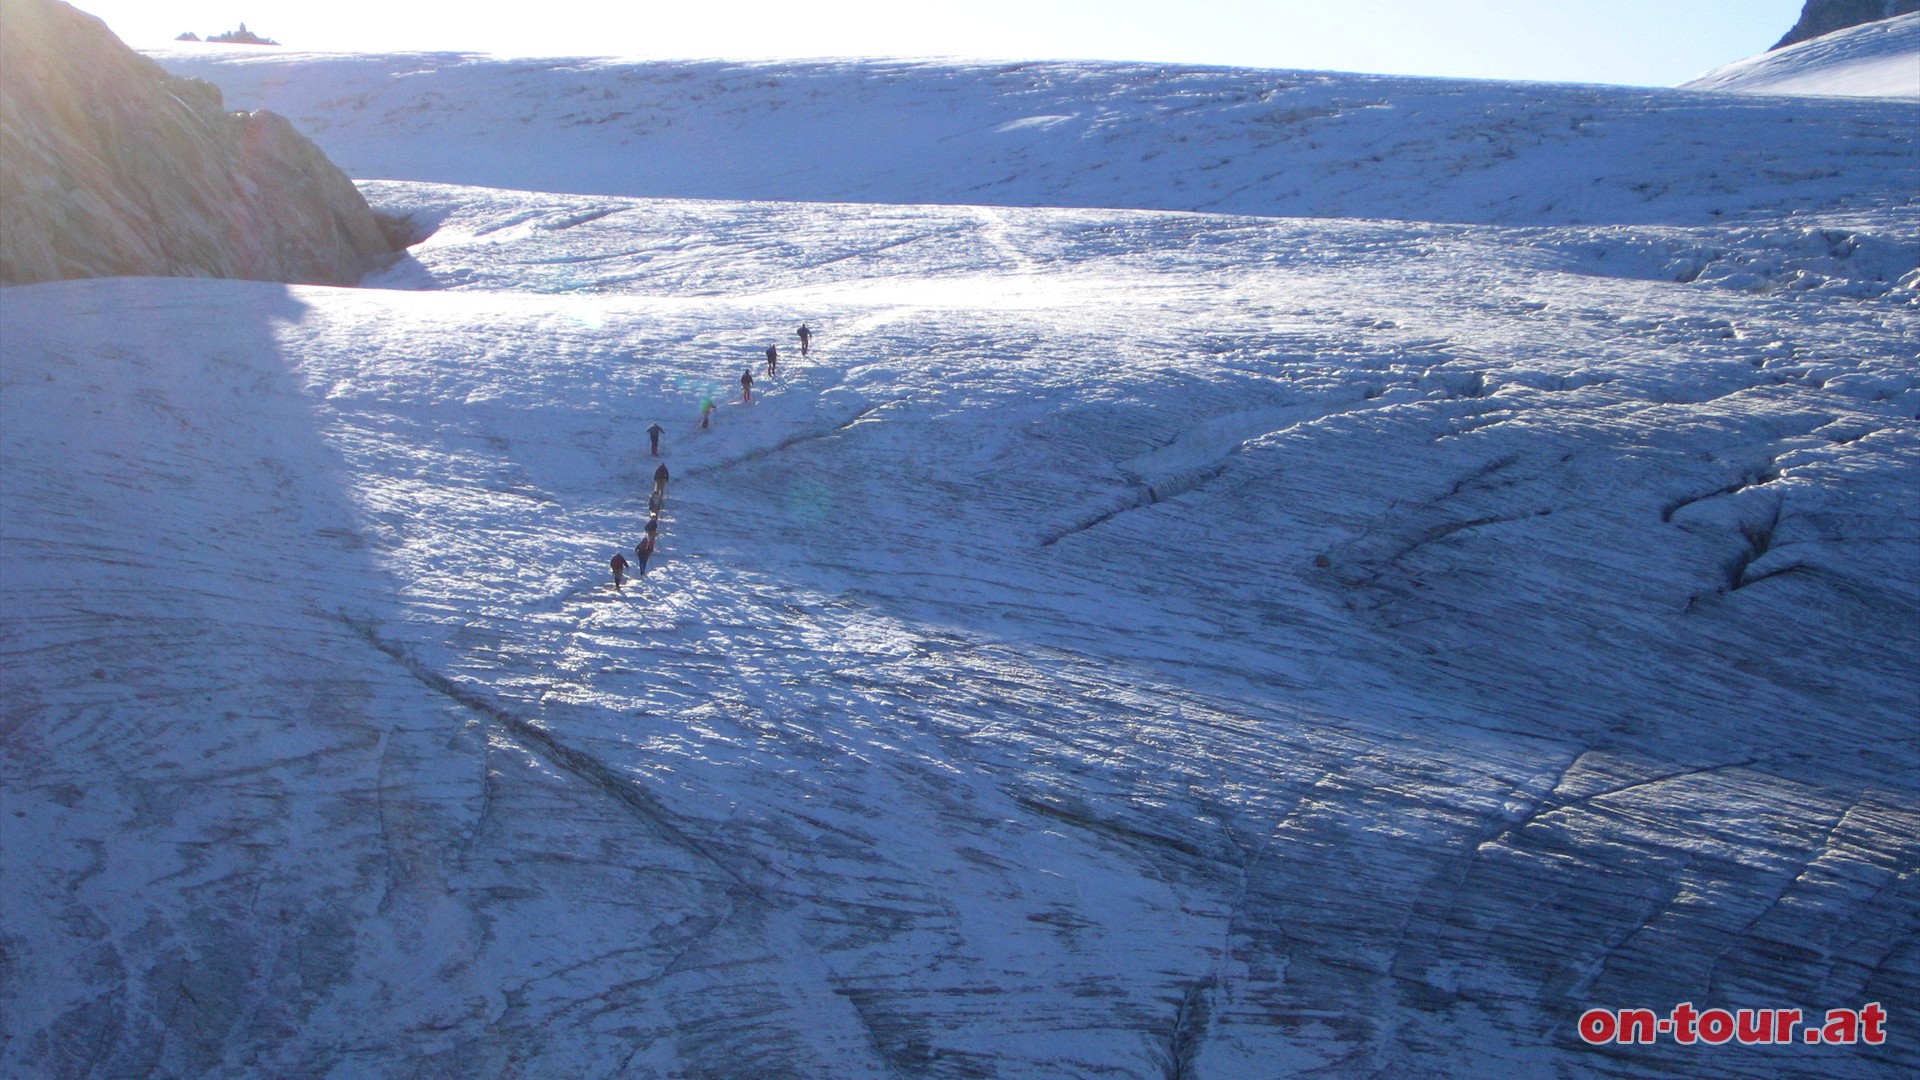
x=242 y=36
x=110 y=166
x=1822 y=17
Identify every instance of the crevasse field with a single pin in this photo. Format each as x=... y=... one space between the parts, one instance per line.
x=1263 y=574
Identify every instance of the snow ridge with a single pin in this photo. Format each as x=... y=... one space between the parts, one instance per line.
x=1876 y=59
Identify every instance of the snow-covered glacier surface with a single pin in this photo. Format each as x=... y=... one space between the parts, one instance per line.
x=1131 y=644
x=1077 y=134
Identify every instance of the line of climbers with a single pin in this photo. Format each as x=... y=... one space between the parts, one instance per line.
x=643 y=551
x=656 y=502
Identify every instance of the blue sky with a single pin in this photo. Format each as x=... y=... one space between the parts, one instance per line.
x=1639 y=42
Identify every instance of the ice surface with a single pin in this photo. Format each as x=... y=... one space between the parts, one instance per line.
x=1133 y=643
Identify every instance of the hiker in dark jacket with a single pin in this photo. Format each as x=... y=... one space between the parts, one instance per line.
x=773 y=360
x=746 y=386
x=804 y=335
x=643 y=552
x=660 y=478
x=619 y=564
x=654 y=434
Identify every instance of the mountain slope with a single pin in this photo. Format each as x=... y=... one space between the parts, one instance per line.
x=1878 y=59
x=1822 y=17
x=115 y=167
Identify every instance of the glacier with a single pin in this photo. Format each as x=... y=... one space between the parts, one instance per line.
x=1341 y=633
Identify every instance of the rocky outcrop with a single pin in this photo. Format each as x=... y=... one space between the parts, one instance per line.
x=242 y=36
x=1821 y=17
x=110 y=166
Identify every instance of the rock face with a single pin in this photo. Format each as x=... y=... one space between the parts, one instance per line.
x=1821 y=17
x=110 y=166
